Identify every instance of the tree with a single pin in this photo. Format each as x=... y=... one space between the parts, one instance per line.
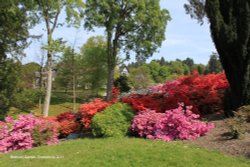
x=68 y=72
x=66 y=69
x=140 y=77
x=230 y=30
x=214 y=65
x=28 y=74
x=158 y=73
x=189 y=62
x=14 y=26
x=130 y=25
x=94 y=60
x=49 y=11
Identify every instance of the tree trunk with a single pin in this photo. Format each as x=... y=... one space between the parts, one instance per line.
x=230 y=29
x=49 y=76
x=48 y=89
x=110 y=82
x=74 y=93
x=110 y=66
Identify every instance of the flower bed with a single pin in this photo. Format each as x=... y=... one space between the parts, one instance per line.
x=204 y=92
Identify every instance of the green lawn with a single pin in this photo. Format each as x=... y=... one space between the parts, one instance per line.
x=119 y=153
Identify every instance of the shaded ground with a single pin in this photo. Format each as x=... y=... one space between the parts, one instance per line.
x=218 y=139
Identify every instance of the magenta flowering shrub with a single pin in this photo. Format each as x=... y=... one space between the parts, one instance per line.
x=179 y=123
x=45 y=132
x=17 y=134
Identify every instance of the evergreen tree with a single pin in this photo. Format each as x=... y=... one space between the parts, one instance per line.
x=13 y=35
x=214 y=65
x=230 y=30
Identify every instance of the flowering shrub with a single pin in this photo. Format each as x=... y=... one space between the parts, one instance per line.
x=90 y=109
x=45 y=132
x=68 y=123
x=179 y=123
x=17 y=134
x=203 y=92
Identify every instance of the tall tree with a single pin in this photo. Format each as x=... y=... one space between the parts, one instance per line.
x=14 y=27
x=214 y=65
x=49 y=11
x=189 y=62
x=230 y=30
x=68 y=71
x=130 y=25
x=94 y=60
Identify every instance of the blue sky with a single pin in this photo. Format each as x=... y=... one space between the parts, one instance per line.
x=184 y=37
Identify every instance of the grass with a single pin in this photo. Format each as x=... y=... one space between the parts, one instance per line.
x=123 y=152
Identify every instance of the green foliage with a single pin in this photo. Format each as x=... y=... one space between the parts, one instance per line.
x=214 y=65
x=13 y=35
x=41 y=138
x=26 y=99
x=137 y=26
x=123 y=83
x=201 y=69
x=28 y=74
x=13 y=28
x=140 y=77
x=189 y=62
x=131 y=20
x=239 y=124
x=94 y=62
x=68 y=68
x=114 y=121
x=9 y=79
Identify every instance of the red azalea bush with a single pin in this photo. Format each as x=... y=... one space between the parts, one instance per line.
x=18 y=134
x=90 y=109
x=203 y=92
x=179 y=123
x=68 y=123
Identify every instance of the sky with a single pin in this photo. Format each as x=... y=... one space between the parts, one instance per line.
x=184 y=37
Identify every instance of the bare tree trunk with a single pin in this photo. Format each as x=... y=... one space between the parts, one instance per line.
x=41 y=82
x=49 y=76
x=48 y=89
x=74 y=93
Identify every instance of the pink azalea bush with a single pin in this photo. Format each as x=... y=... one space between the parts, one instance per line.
x=17 y=134
x=179 y=123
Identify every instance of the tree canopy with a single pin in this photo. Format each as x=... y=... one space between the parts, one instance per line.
x=130 y=25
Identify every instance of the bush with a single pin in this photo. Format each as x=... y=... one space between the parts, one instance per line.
x=88 y=110
x=45 y=132
x=203 y=92
x=114 y=121
x=26 y=132
x=68 y=123
x=238 y=125
x=179 y=123
x=26 y=99
x=123 y=84
x=245 y=110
